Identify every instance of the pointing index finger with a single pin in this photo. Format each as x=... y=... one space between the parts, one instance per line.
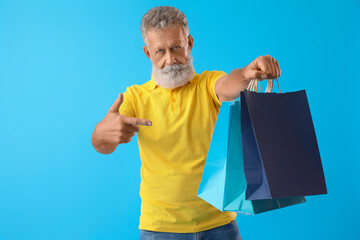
x=143 y=122
x=137 y=121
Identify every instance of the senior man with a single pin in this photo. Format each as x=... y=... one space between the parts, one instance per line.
x=174 y=115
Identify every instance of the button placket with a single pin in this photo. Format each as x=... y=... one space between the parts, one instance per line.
x=173 y=97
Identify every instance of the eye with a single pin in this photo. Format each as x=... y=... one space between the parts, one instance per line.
x=160 y=51
x=176 y=47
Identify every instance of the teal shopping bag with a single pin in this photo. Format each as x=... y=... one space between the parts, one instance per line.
x=223 y=182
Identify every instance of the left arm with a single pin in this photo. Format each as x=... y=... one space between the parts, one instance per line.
x=228 y=87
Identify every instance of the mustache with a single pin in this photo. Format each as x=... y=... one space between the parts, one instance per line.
x=173 y=68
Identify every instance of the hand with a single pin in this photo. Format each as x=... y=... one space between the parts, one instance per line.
x=116 y=128
x=228 y=87
x=263 y=67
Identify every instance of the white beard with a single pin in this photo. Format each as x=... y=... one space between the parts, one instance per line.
x=175 y=75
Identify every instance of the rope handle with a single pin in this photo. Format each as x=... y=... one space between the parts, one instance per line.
x=253 y=85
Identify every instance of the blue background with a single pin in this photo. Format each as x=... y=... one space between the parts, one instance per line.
x=63 y=63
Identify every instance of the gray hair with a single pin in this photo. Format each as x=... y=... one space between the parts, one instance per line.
x=161 y=18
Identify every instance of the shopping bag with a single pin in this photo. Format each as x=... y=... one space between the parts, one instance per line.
x=223 y=182
x=281 y=154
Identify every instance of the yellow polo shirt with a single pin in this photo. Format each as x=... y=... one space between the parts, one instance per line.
x=173 y=152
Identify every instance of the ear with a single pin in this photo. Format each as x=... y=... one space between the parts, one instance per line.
x=190 y=42
x=146 y=51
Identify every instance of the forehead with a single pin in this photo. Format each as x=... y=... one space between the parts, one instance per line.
x=170 y=35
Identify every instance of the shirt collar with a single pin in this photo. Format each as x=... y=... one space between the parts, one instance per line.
x=153 y=84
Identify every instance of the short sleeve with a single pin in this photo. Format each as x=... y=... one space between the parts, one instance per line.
x=127 y=107
x=212 y=77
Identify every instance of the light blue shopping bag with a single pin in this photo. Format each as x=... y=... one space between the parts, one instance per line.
x=223 y=182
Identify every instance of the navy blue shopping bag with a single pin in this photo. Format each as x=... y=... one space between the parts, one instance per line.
x=280 y=150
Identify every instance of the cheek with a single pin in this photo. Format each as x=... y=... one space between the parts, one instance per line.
x=158 y=61
x=159 y=65
x=182 y=56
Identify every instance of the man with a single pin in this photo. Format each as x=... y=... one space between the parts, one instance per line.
x=174 y=115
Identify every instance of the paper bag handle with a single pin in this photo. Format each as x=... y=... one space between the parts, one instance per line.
x=253 y=85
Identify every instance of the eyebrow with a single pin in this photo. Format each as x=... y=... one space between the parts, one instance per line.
x=174 y=43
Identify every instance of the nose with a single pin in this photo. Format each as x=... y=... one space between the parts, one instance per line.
x=170 y=58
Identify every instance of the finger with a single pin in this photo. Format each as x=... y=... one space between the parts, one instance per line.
x=273 y=68
x=116 y=105
x=131 y=128
x=278 y=67
x=126 y=140
x=276 y=73
x=255 y=74
x=127 y=135
x=270 y=68
x=263 y=65
x=137 y=121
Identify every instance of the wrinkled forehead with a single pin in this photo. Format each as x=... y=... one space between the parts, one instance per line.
x=171 y=35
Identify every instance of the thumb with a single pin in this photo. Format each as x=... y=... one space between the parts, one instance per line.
x=255 y=74
x=116 y=105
